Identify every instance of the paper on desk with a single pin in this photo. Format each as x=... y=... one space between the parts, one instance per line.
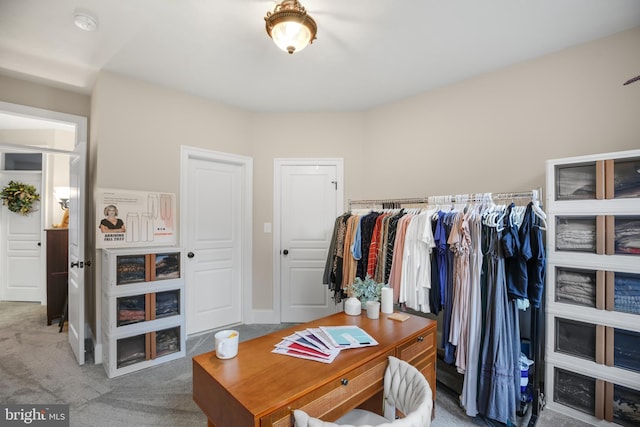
x=300 y=339
x=348 y=336
x=289 y=348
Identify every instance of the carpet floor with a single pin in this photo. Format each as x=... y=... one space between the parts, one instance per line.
x=38 y=367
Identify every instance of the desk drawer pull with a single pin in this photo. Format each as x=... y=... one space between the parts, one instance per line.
x=344 y=381
x=420 y=339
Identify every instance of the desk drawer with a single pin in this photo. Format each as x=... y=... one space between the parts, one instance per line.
x=337 y=397
x=418 y=347
x=420 y=351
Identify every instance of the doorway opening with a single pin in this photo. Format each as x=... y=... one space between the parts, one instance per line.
x=60 y=139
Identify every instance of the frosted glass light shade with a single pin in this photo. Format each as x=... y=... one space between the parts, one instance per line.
x=290 y=27
x=291 y=36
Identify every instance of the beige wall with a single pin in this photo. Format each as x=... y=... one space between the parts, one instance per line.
x=41 y=96
x=490 y=133
x=494 y=132
x=297 y=135
x=140 y=128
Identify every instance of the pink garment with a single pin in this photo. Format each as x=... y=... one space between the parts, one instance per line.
x=398 y=250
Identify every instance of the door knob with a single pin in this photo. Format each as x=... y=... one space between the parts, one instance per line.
x=78 y=264
x=285 y=252
x=39 y=243
x=190 y=255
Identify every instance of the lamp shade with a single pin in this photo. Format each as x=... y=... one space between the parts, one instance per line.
x=290 y=27
x=291 y=36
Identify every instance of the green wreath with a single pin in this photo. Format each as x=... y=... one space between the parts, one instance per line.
x=20 y=197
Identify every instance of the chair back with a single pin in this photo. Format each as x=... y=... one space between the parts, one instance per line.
x=405 y=389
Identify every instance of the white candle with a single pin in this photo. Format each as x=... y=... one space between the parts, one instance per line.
x=387 y=300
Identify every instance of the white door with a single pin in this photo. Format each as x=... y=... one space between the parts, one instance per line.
x=21 y=254
x=216 y=218
x=310 y=199
x=77 y=262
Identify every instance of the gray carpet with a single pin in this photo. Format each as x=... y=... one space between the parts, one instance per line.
x=38 y=367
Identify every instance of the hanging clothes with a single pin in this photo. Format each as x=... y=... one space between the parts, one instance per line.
x=333 y=267
x=469 y=396
x=415 y=282
x=473 y=263
x=537 y=263
x=460 y=245
x=498 y=393
x=395 y=274
x=376 y=237
x=367 y=225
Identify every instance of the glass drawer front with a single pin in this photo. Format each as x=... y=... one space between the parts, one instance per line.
x=131 y=309
x=167 y=303
x=627 y=235
x=574 y=390
x=576 y=338
x=576 y=234
x=167 y=341
x=575 y=286
x=167 y=266
x=131 y=269
x=626 y=178
x=626 y=406
x=131 y=350
x=626 y=293
x=626 y=350
x=576 y=182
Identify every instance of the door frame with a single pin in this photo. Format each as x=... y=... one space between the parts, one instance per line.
x=246 y=163
x=81 y=135
x=278 y=163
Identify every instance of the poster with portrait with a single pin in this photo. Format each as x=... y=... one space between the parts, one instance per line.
x=135 y=218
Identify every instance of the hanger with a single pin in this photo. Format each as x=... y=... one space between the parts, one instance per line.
x=537 y=210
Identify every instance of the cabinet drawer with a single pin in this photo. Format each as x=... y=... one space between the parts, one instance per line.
x=337 y=397
x=598 y=179
x=597 y=398
x=579 y=392
x=417 y=347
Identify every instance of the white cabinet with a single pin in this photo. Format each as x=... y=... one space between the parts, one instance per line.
x=142 y=308
x=593 y=287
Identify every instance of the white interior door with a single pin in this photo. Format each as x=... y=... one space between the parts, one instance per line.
x=216 y=218
x=77 y=270
x=21 y=254
x=310 y=196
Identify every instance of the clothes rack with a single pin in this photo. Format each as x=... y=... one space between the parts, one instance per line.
x=536 y=330
x=535 y=194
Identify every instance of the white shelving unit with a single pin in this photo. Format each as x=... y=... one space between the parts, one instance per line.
x=142 y=308
x=593 y=288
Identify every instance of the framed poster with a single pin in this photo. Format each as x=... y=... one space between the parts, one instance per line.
x=128 y=218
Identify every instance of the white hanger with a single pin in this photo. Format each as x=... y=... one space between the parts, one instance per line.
x=537 y=210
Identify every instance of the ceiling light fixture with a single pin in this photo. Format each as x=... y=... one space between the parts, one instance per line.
x=85 y=21
x=290 y=27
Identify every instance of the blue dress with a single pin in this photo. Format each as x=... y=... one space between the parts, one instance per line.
x=498 y=390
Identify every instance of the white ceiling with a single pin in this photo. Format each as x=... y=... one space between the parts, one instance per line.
x=368 y=52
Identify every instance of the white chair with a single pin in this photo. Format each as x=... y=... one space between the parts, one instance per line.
x=405 y=389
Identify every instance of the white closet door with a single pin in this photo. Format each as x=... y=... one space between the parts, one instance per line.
x=309 y=200
x=21 y=259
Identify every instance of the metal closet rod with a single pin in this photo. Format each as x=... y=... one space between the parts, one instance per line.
x=452 y=198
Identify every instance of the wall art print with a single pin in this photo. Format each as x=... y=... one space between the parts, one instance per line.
x=126 y=218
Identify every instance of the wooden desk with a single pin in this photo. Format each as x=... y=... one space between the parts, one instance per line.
x=259 y=388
